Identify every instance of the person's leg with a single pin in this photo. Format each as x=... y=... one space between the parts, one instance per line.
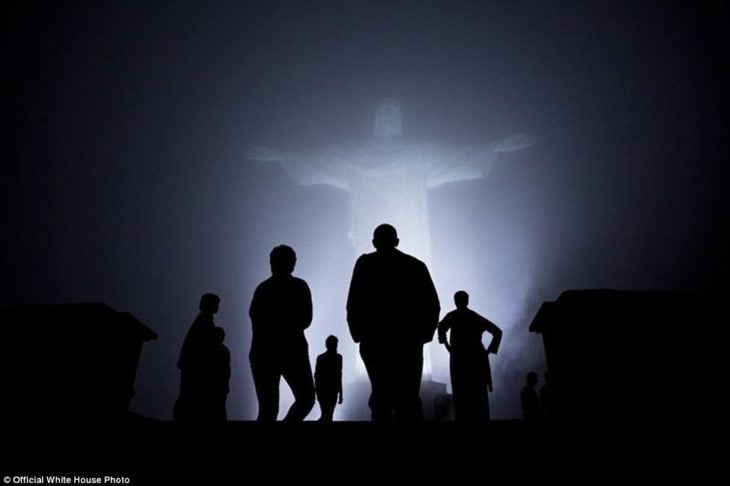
x=266 y=381
x=485 y=406
x=469 y=386
x=297 y=372
x=327 y=403
x=406 y=383
x=375 y=360
x=458 y=390
x=483 y=388
x=180 y=411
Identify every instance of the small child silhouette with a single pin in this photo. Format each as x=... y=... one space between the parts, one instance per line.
x=328 y=379
x=529 y=399
x=550 y=403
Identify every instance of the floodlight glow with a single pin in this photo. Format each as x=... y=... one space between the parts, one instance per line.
x=387 y=181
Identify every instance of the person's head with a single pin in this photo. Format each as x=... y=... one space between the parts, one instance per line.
x=219 y=334
x=331 y=343
x=531 y=379
x=461 y=299
x=388 y=121
x=209 y=303
x=282 y=259
x=385 y=237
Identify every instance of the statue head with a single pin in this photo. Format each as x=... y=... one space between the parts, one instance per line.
x=388 y=118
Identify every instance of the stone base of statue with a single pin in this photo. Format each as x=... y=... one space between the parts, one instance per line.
x=437 y=403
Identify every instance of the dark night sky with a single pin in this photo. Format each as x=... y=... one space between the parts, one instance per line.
x=124 y=125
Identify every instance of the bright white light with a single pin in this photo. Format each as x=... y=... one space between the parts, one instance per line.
x=387 y=181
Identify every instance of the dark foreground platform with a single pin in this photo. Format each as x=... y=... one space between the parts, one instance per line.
x=153 y=452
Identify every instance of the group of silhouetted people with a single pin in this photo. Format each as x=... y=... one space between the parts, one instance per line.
x=392 y=311
x=205 y=368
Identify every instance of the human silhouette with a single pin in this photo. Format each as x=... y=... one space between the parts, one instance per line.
x=280 y=311
x=529 y=400
x=220 y=375
x=392 y=311
x=471 y=375
x=550 y=402
x=328 y=379
x=194 y=363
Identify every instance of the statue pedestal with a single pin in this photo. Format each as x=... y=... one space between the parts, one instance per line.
x=437 y=403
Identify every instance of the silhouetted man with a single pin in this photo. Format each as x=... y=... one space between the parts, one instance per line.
x=392 y=311
x=280 y=311
x=194 y=363
x=471 y=375
x=328 y=379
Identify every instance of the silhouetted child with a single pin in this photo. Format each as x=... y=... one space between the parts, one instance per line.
x=471 y=375
x=549 y=399
x=328 y=379
x=529 y=399
x=220 y=375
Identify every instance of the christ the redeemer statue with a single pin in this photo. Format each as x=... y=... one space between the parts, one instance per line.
x=388 y=178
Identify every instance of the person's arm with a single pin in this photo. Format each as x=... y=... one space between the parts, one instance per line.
x=304 y=310
x=317 y=373
x=226 y=367
x=255 y=310
x=339 y=375
x=443 y=328
x=356 y=301
x=496 y=333
x=431 y=306
x=308 y=311
x=191 y=343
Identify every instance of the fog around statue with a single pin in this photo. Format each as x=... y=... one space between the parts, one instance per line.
x=388 y=178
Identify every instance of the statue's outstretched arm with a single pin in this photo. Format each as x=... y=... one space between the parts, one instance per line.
x=263 y=154
x=516 y=142
x=461 y=163
x=305 y=169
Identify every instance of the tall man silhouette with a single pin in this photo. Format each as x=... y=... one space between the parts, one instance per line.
x=392 y=311
x=280 y=311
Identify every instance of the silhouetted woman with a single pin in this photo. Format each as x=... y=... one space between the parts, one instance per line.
x=195 y=362
x=471 y=375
